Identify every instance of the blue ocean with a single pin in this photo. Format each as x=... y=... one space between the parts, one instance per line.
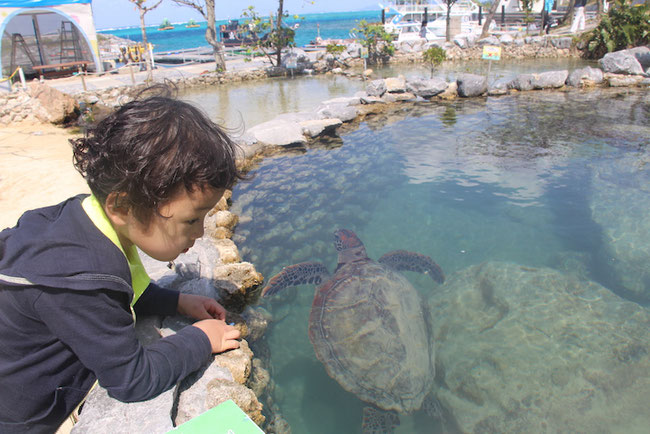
x=335 y=25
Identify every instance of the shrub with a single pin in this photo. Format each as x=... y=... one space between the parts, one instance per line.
x=434 y=56
x=376 y=40
x=335 y=49
x=624 y=26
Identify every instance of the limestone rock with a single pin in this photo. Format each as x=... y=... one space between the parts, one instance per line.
x=101 y=413
x=563 y=43
x=498 y=87
x=642 y=55
x=522 y=82
x=237 y=278
x=192 y=399
x=506 y=39
x=619 y=80
x=587 y=76
x=395 y=84
x=470 y=85
x=549 y=79
x=341 y=111
x=490 y=40
x=257 y=320
x=259 y=379
x=199 y=261
x=228 y=252
x=278 y=132
x=621 y=62
x=426 y=88
x=397 y=97
x=51 y=105
x=451 y=92
x=238 y=362
x=316 y=127
x=376 y=88
x=525 y=349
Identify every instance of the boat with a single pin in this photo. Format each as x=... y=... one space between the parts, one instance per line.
x=191 y=24
x=408 y=16
x=234 y=35
x=165 y=25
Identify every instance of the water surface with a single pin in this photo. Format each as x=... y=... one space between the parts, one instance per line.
x=519 y=179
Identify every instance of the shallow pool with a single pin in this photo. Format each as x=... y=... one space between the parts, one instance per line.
x=550 y=181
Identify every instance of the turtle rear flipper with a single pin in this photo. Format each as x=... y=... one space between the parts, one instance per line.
x=299 y=274
x=410 y=261
x=376 y=421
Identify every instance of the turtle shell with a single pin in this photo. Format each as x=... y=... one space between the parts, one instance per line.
x=368 y=328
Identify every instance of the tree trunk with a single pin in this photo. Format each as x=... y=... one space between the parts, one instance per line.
x=278 y=54
x=568 y=16
x=211 y=37
x=147 y=56
x=488 y=20
x=448 y=27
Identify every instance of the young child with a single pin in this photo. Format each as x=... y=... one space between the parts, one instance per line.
x=70 y=275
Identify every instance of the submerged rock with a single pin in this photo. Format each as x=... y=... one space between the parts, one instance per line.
x=619 y=206
x=532 y=350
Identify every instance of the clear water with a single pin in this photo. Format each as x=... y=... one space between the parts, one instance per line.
x=238 y=106
x=509 y=179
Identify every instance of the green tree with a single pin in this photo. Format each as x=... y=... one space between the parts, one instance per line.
x=140 y=5
x=434 y=56
x=206 y=9
x=624 y=26
x=269 y=34
x=376 y=40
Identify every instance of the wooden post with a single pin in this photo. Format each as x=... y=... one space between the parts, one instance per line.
x=21 y=73
x=83 y=78
x=131 y=71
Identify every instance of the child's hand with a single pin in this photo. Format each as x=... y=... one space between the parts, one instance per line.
x=199 y=307
x=222 y=336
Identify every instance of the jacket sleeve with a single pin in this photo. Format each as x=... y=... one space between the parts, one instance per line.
x=156 y=300
x=98 y=328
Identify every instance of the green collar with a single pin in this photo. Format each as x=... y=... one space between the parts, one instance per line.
x=139 y=277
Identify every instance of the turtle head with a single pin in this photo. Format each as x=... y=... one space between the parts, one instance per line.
x=349 y=246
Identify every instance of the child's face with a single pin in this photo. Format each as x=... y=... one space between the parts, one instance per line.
x=174 y=228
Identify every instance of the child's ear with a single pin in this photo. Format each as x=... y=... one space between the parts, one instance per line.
x=116 y=208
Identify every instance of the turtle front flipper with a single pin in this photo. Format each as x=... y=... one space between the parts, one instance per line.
x=403 y=260
x=299 y=274
x=376 y=421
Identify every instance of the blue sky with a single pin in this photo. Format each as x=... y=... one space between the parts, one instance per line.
x=122 y=13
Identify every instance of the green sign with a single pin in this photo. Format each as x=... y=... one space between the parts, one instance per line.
x=363 y=53
x=225 y=418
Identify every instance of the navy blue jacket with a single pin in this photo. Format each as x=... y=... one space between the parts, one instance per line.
x=65 y=321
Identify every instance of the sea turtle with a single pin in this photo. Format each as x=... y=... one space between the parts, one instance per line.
x=368 y=327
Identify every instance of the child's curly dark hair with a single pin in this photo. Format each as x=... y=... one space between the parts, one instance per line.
x=151 y=146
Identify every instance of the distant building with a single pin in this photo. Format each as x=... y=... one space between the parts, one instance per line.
x=47 y=32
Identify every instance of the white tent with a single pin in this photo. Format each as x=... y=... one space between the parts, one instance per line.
x=47 y=32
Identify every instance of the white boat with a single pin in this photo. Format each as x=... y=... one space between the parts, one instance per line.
x=406 y=24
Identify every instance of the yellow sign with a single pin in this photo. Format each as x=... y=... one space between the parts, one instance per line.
x=491 y=53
